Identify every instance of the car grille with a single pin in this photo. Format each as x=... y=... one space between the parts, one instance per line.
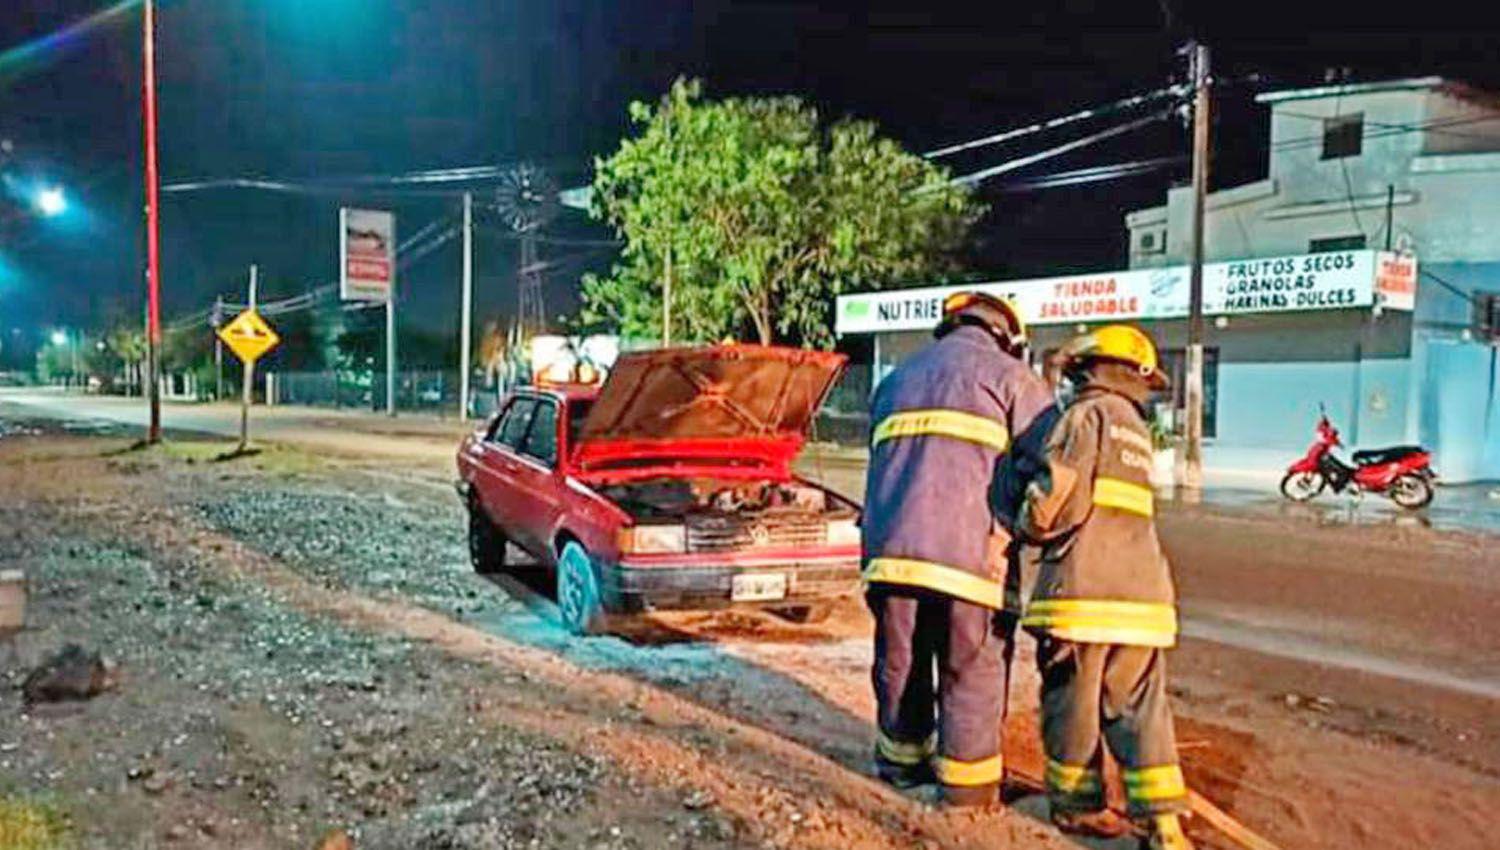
x=721 y=534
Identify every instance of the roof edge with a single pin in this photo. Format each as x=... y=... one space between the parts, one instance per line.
x=1346 y=89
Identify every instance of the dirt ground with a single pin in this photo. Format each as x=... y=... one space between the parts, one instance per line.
x=302 y=646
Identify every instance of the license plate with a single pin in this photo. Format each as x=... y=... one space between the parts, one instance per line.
x=755 y=587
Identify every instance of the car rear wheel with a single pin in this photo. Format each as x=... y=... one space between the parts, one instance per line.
x=578 y=599
x=486 y=541
x=807 y=615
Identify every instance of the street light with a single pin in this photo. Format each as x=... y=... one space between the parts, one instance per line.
x=51 y=202
x=59 y=338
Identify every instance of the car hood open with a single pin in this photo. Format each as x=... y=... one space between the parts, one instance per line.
x=725 y=410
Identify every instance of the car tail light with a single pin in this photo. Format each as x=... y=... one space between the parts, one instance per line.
x=653 y=539
x=843 y=532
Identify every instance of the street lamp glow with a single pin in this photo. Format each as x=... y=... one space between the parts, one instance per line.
x=51 y=202
x=59 y=338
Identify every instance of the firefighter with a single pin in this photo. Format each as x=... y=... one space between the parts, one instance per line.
x=933 y=556
x=1103 y=607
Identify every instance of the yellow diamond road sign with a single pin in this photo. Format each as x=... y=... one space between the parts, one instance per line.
x=248 y=336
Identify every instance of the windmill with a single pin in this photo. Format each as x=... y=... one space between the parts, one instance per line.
x=526 y=201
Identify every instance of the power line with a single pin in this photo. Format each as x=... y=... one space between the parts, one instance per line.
x=1059 y=150
x=1096 y=174
x=1120 y=105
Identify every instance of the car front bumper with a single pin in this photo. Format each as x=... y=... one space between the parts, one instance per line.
x=707 y=584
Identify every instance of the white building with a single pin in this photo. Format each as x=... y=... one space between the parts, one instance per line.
x=1307 y=307
x=1407 y=164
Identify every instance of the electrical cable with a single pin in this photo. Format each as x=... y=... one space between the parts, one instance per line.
x=1096 y=174
x=1120 y=105
x=1059 y=150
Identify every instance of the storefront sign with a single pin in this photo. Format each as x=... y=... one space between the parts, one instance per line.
x=1396 y=281
x=1330 y=281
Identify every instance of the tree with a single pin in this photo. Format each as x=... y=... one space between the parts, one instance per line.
x=753 y=214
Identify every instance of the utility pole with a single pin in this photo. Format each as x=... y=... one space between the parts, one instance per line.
x=465 y=329
x=1190 y=466
x=153 y=222
x=390 y=350
x=218 y=349
x=247 y=387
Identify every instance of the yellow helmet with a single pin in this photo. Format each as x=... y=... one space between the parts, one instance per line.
x=997 y=315
x=1121 y=344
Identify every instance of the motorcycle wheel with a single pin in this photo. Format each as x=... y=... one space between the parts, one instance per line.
x=1411 y=491
x=1302 y=486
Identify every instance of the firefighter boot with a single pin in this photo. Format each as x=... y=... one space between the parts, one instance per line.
x=904 y=776
x=1100 y=824
x=1164 y=832
x=970 y=796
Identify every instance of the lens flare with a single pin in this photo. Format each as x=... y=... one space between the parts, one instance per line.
x=15 y=61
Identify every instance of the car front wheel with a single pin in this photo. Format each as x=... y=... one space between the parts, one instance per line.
x=578 y=599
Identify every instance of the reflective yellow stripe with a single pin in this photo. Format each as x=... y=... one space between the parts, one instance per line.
x=982 y=772
x=1104 y=621
x=1154 y=784
x=1124 y=495
x=1072 y=779
x=943 y=423
x=903 y=752
x=953 y=581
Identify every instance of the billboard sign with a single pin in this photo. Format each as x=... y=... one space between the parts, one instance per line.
x=1328 y=281
x=367 y=254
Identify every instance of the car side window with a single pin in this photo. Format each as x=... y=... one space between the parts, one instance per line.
x=512 y=428
x=541 y=440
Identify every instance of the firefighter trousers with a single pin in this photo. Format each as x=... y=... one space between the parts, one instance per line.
x=940 y=684
x=1096 y=695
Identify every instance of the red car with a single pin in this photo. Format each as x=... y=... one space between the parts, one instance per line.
x=669 y=487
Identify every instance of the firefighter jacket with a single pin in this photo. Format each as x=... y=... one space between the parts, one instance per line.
x=939 y=422
x=1102 y=578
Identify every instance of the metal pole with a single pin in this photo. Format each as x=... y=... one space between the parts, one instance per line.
x=465 y=329
x=153 y=222
x=247 y=387
x=218 y=349
x=1390 y=212
x=390 y=351
x=1190 y=469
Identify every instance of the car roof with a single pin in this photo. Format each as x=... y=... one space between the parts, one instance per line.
x=566 y=392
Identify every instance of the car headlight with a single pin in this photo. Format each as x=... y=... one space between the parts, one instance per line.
x=643 y=539
x=843 y=532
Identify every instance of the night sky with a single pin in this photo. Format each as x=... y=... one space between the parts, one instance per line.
x=301 y=89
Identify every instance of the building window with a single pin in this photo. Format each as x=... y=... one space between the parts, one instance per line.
x=1174 y=361
x=1336 y=243
x=1343 y=135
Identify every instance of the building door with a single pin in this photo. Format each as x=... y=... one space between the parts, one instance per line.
x=1459 y=406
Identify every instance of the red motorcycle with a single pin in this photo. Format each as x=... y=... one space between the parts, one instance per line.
x=1404 y=473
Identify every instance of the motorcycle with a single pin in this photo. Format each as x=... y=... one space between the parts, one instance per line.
x=1403 y=473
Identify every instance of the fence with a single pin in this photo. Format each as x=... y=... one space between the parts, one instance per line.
x=845 y=416
x=430 y=390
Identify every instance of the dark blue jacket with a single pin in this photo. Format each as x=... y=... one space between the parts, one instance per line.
x=939 y=423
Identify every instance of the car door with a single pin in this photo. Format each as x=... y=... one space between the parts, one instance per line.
x=501 y=491
x=537 y=476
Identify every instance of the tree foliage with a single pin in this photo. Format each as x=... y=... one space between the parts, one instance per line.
x=758 y=214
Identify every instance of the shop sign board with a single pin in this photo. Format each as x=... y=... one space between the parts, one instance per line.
x=1396 y=281
x=1328 y=281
